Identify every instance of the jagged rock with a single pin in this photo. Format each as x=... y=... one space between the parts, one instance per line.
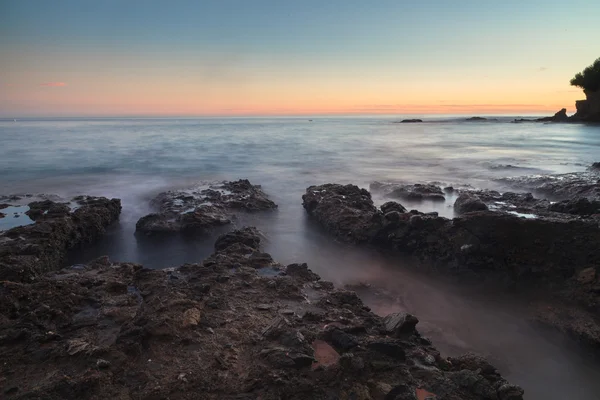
x=466 y=203
x=202 y=209
x=392 y=206
x=30 y=250
x=347 y=211
x=560 y=116
x=398 y=324
x=246 y=236
x=146 y=327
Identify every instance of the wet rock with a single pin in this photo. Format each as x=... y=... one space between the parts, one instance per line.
x=413 y=120
x=579 y=206
x=301 y=271
x=30 y=250
x=595 y=166
x=246 y=236
x=398 y=324
x=392 y=206
x=416 y=192
x=175 y=339
x=560 y=186
x=466 y=203
x=345 y=210
x=202 y=209
x=388 y=348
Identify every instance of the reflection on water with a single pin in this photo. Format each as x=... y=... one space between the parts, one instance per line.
x=14 y=216
x=135 y=159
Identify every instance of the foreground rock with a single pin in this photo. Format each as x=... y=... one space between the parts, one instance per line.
x=202 y=209
x=49 y=230
x=218 y=330
x=490 y=245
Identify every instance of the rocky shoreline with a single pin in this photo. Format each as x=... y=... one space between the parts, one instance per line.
x=241 y=325
x=221 y=329
x=510 y=238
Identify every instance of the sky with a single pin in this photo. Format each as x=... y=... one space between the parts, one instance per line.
x=279 y=57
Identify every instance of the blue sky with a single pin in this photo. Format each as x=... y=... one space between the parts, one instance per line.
x=289 y=55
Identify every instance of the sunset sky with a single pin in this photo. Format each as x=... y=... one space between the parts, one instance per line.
x=277 y=57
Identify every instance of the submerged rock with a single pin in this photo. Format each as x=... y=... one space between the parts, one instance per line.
x=202 y=209
x=416 y=192
x=30 y=250
x=560 y=186
x=118 y=330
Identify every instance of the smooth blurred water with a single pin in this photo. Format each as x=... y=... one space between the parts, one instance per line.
x=134 y=159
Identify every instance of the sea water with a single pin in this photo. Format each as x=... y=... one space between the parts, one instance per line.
x=134 y=159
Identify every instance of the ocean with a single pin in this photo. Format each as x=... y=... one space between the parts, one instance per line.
x=134 y=159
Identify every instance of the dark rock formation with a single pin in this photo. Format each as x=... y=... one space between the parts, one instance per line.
x=588 y=110
x=486 y=245
x=347 y=211
x=595 y=167
x=201 y=210
x=30 y=250
x=580 y=206
x=480 y=119
x=409 y=121
x=217 y=330
x=466 y=203
x=560 y=116
x=416 y=192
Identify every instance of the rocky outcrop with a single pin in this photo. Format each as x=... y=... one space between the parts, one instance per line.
x=588 y=110
x=202 y=209
x=416 y=192
x=30 y=250
x=560 y=116
x=218 y=330
x=490 y=245
x=466 y=203
x=410 y=121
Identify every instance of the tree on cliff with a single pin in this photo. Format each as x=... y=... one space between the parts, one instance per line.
x=589 y=78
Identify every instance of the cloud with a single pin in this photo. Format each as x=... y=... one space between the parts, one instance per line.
x=53 y=84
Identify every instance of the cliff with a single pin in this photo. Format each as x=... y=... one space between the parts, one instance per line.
x=589 y=109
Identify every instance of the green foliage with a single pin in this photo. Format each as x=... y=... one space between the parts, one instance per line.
x=589 y=78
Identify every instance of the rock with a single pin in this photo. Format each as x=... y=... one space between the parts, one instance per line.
x=595 y=166
x=342 y=340
x=416 y=192
x=191 y=317
x=588 y=110
x=30 y=250
x=587 y=276
x=391 y=206
x=202 y=209
x=411 y=120
x=389 y=348
x=510 y=392
x=102 y=363
x=398 y=324
x=578 y=206
x=568 y=186
x=466 y=203
x=246 y=236
x=479 y=119
x=301 y=271
x=346 y=211
x=448 y=189
x=54 y=328
x=560 y=116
